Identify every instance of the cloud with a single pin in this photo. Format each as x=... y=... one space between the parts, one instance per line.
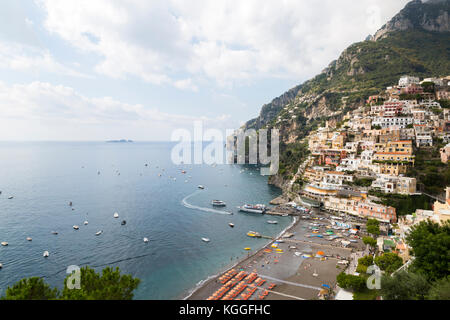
x=225 y=41
x=20 y=57
x=59 y=109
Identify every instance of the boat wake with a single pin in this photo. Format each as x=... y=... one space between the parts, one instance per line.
x=193 y=207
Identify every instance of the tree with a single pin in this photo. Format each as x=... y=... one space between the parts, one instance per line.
x=373 y=226
x=389 y=262
x=364 y=263
x=349 y=281
x=430 y=243
x=440 y=290
x=31 y=289
x=110 y=285
x=404 y=286
x=370 y=241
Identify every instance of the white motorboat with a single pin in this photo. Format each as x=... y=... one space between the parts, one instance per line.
x=116 y=215
x=201 y=187
x=86 y=223
x=231 y=225
x=76 y=227
x=45 y=254
x=146 y=240
x=272 y=222
x=218 y=203
x=4 y=243
x=99 y=232
x=206 y=240
x=29 y=239
x=11 y=197
x=54 y=232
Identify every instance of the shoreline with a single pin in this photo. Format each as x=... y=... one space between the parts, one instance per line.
x=203 y=283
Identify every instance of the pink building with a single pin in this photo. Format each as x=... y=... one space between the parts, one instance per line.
x=377 y=211
x=445 y=154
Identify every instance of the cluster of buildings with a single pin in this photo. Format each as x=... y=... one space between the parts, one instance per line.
x=373 y=148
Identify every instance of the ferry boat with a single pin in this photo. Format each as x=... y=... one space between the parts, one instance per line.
x=218 y=203
x=258 y=208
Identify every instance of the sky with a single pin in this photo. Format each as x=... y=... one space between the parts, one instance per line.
x=94 y=70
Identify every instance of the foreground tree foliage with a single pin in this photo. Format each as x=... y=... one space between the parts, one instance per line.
x=404 y=286
x=430 y=243
x=109 y=285
x=31 y=289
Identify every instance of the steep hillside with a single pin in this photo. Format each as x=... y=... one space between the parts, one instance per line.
x=416 y=42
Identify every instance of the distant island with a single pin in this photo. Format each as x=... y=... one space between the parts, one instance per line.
x=120 y=141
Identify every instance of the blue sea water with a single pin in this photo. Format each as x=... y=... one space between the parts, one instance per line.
x=44 y=177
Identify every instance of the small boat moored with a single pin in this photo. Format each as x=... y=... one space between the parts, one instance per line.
x=54 y=232
x=86 y=223
x=4 y=243
x=146 y=240
x=231 y=225
x=29 y=239
x=123 y=223
x=11 y=197
x=99 y=232
x=206 y=240
x=45 y=254
x=76 y=227
x=201 y=187
x=116 y=215
x=272 y=222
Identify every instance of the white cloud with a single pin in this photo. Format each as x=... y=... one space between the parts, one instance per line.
x=227 y=41
x=20 y=57
x=60 y=109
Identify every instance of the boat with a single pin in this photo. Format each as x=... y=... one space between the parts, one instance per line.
x=258 y=208
x=11 y=197
x=4 y=243
x=76 y=227
x=45 y=254
x=205 y=240
x=272 y=222
x=86 y=223
x=1 y=266
x=247 y=249
x=54 y=232
x=285 y=215
x=201 y=187
x=116 y=215
x=123 y=222
x=29 y=239
x=99 y=232
x=146 y=240
x=218 y=203
x=231 y=225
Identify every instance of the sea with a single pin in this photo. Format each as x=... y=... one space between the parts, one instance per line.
x=140 y=182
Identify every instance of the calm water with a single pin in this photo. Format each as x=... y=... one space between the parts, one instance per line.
x=44 y=177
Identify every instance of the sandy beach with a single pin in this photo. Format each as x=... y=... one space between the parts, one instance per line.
x=292 y=275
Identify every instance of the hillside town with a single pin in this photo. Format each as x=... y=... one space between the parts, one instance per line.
x=373 y=147
x=369 y=153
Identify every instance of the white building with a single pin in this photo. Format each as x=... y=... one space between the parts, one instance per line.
x=424 y=139
x=408 y=80
x=387 y=122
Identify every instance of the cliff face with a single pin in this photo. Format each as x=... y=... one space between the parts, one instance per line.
x=430 y=16
x=416 y=41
